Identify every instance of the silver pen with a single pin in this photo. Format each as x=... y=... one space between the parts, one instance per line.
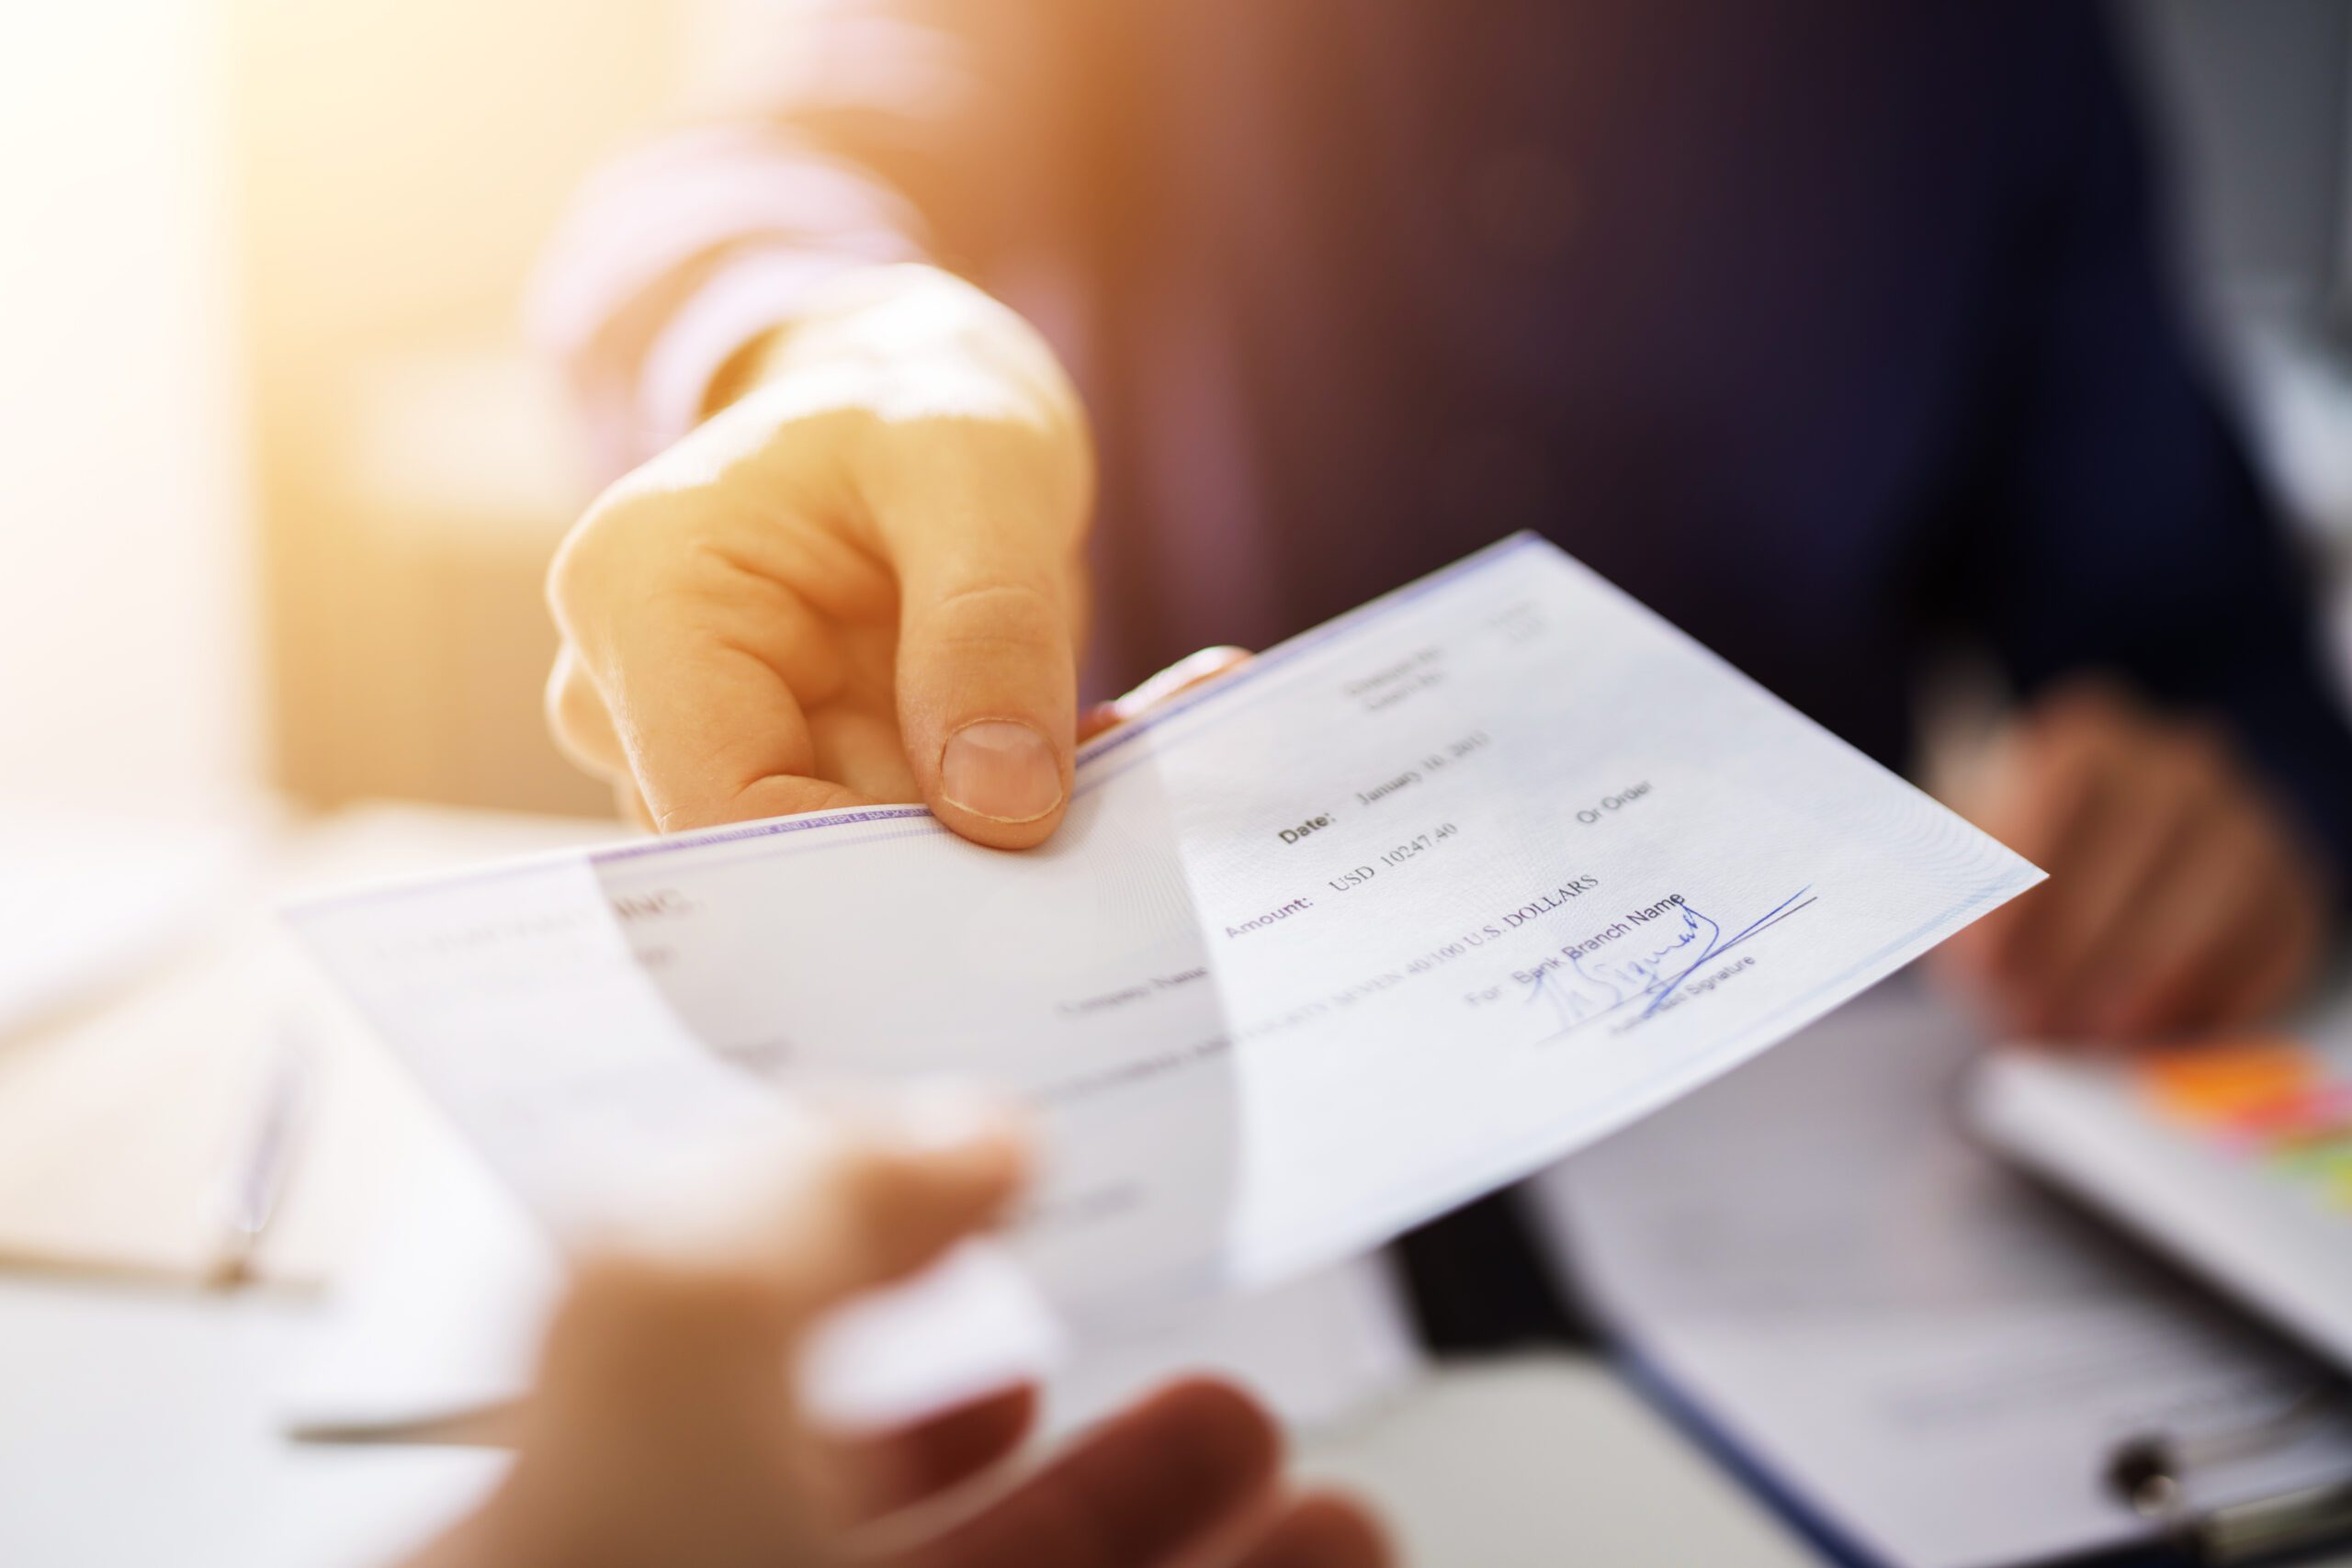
x=257 y=1181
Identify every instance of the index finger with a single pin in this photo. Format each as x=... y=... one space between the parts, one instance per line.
x=699 y=656
x=1162 y=1479
x=714 y=734
x=2044 y=787
x=759 y=1247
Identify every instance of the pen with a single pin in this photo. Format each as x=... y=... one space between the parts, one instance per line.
x=257 y=1180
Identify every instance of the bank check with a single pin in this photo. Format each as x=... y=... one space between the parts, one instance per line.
x=1400 y=912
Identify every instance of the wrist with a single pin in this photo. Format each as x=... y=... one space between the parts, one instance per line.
x=910 y=344
x=891 y=319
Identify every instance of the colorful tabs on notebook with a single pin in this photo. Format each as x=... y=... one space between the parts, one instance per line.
x=2274 y=1099
x=2224 y=1084
x=2317 y=1114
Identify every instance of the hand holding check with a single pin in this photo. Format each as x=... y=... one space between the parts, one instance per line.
x=702 y=1456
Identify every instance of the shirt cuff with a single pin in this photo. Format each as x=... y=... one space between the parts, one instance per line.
x=752 y=293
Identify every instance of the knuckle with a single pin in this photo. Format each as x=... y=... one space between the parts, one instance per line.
x=2059 y=755
x=2200 y=759
x=577 y=708
x=565 y=578
x=2093 y=702
x=560 y=708
x=2203 y=748
x=579 y=565
x=1016 y=614
x=923 y=471
x=577 y=718
x=604 y=550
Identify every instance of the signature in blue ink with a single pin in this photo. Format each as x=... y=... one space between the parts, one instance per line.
x=1655 y=969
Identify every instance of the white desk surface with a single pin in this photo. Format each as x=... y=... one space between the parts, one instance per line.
x=140 y=1431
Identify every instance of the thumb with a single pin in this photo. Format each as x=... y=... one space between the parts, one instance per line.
x=987 y=681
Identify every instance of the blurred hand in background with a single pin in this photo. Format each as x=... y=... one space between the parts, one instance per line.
x=664 y=1427
x=2180 y=899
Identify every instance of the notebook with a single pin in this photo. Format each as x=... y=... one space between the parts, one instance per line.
x=2234 y=1156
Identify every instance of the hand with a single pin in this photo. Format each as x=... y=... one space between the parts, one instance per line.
x=664 y=1429
x=859 y=582
x=2179 y=900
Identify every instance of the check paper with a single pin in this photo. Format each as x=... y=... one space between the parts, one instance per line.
x=1404 y=909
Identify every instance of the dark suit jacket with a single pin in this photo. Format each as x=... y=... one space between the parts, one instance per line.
x=1837 y=330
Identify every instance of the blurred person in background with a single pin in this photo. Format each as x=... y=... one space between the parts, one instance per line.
x=1023 y=345
x=664 y=1427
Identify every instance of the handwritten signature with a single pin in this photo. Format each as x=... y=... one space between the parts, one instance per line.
x=1655 y=969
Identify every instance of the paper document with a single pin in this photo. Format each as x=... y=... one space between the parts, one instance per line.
x=1933 y=1361
x=1405 y=908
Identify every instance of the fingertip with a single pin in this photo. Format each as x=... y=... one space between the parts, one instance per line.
x=1229 y=1436
x=1100 y=719
x=931 y=1169
x=944 y=1113
x=1324 y=1529
x=945 y=1450
x=962 y=1139
x=1009 y=836
x=687 y=810
x=1003 y=782
x=1193 y=670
